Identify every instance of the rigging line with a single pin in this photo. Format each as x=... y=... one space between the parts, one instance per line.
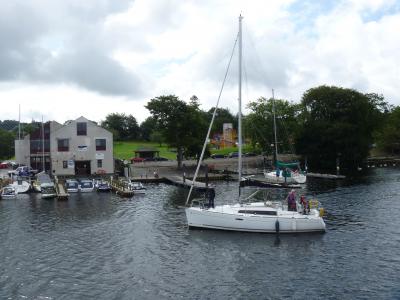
x=211 y=123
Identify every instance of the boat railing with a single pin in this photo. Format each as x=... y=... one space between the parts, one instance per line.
x=199 y=202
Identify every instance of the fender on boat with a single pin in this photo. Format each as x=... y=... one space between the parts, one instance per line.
x=277 y=226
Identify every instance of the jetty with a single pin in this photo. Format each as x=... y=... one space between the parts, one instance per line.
x=187 y=183
x=60 y=190
x=120 y=188
x=325 y=176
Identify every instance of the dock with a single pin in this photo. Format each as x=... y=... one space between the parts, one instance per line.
x=61 y=193
x=325 y=176
x=187 y=183
x=60 y=190
x=120 y=189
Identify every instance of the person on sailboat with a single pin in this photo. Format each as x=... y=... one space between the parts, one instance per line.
x=210 y=195
x=291 y=199
x=278 y=172
x=303 y=203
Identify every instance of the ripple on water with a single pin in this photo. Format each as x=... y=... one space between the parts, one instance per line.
x=104 y=247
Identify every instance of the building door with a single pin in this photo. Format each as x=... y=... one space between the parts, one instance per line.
x=82 y=167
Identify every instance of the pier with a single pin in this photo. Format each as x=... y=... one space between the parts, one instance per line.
x=325 y=176
x=120 y=188
x=186 y=183
x=61 y=193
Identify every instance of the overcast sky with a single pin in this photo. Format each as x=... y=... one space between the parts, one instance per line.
x=67 y=58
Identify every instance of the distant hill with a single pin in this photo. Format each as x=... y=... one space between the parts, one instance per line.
x=8 y=125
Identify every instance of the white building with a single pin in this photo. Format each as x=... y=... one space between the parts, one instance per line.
x=78 y=147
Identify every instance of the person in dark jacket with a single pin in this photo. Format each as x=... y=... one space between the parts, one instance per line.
x=211 y=196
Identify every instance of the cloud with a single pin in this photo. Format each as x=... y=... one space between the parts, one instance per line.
x=118 y=51
x=62 y=44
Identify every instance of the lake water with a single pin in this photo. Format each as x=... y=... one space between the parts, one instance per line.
x=99 y=246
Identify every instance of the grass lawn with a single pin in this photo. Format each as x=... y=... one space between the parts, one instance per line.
x=126 y=149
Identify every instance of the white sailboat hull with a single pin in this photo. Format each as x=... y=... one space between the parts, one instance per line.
x=21 y=187
x=228 y=217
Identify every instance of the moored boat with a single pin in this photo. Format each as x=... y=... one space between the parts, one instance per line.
x=48 y=190
x=103 y=186
x=21 y=186
x=71 y=186
x=86 y=186
x=8 y=192
x=137 y=187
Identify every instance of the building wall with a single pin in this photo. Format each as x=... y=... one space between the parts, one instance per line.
x=81 y=148
x=22 y=151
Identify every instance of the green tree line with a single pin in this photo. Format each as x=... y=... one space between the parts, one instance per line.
x=328 y=124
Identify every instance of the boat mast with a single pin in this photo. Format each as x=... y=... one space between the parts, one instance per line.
x=276 y=142
x=19 y=121
x=43 y=164
x=240 y=105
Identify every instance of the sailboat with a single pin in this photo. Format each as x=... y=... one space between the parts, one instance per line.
x=267 y=216
x=285 y=173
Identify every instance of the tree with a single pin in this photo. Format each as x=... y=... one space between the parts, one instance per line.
x=388 y=137
x=223 y=115
x=259 y=124
x=181 y=124
x=156 y=137
x=337 y=124
x=6 y=144
x=146 y=128
x=122 y=126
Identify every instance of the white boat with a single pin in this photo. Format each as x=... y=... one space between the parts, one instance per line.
x=265 y=217
x=41 y=177
x=86 y=186
x=136 y=187
x=48 y=190
x=8 y=192
x=21 y=186
x=291 y=177
x=71 y=186
x=285 y=173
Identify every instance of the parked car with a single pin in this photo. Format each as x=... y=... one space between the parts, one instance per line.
x=217 y=156
x=137 y=159
x=250 y=154
x=160 y=159
x=149 y=159
x=233 y=154
x=23 y=171
x=4 y=165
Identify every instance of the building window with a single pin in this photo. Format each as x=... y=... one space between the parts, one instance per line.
x=99 y=163
x=65 y=164
x=81 y=128
x=63 y=145
x=100 y=144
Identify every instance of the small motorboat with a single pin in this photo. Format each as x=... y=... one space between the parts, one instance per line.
x=21 y=186
x=86 y=186
x=8 y=192
x=137 y=187
x=103 y=186
x=72 y=186
x=41 y=177
x=48 y=190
